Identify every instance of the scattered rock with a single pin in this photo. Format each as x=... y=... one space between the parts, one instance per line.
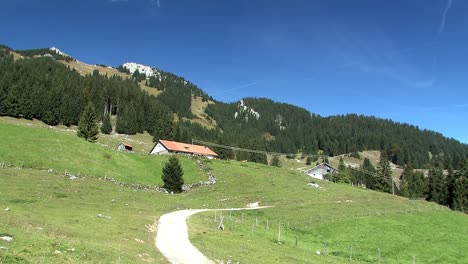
x=4 y=248
x=318 y=252
x=253 y=205
x=7 y=209
x=139 y=241
x=315 y=185
x=7 y=238
x=57 y=252
x=71 y=249
x=73 y=177
x=349 y=201
x=103 y=216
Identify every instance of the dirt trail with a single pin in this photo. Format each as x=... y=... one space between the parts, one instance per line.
x=172 y=238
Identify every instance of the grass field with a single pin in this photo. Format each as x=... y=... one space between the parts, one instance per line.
x=338 y=215
x=44 y=148
x=54 y=219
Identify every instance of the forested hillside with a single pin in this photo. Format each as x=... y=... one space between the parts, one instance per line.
x=40 y=87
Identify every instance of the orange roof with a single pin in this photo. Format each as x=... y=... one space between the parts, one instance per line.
x=188 y=148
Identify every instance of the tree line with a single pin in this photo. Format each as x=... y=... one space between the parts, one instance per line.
x=289 y=129
x=47 y=90
x=448 y=188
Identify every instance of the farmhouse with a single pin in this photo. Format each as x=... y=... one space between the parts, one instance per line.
x=125 y=147
x=168 y=147
x=320 y=170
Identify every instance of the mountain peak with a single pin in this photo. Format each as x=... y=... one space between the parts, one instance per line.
x=147 y=70
x=56 y=50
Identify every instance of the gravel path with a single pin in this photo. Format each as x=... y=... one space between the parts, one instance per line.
x=172 y=238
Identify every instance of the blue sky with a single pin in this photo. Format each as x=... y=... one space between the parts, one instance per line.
x=403 y=60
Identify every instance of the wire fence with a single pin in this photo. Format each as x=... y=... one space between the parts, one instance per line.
x=303 y=235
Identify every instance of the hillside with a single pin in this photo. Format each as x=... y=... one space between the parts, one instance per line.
x=53 y=219
x=253 y=123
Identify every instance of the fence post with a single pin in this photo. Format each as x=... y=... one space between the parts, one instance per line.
x=414 y=260
x=256 y=221
x=252 y=233
x=242 y=217
x=267 y=224
x=279 y=232
x=215 y=217
x=324 y=248
x=378 y=256
x=350 y=252
x=295 y=244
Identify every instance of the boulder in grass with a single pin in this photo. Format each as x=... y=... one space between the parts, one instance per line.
x=6 y=238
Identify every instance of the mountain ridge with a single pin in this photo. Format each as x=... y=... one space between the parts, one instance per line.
x=289 y=128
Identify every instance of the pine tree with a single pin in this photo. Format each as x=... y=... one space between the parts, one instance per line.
x=437 y=189
x=275 y=161
x=341 y=166
x=460 y=195
x=88 y=127
x=106 y=127
x=384 y=172
x=367 y=177
x=172 y=175
x=406 y=178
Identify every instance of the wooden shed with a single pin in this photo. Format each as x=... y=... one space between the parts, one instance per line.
x=125 y=147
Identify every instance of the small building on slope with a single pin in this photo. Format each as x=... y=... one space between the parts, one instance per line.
x=320 y=170
x=164 y=147
x=125 y=147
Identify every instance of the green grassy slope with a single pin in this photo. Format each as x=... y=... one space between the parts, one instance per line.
x=40 y=147
x=339 y=215
x=49 y=212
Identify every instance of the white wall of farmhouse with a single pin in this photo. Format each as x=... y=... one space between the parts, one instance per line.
x=159 y=149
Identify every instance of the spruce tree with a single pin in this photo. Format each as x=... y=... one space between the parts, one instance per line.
x=384 y=172
x=437 y=189
x=275 y=161
x=406 y=178
x=106 y=127
x=172 y=175
x=88 y=127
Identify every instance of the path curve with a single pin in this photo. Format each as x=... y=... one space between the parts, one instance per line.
x=172 y=238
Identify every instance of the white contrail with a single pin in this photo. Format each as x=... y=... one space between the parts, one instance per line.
x=444 y=17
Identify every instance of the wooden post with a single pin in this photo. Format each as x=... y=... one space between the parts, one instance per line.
x=295 y=244
x=279 y=233
x=267 y=224
x=221 y=223
x=230 y=215
x=414 y=260
x=242 y=217
x=252 y=232
x=256 y=221
x=351 y=253
x=378 y=256
x=215 y=217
